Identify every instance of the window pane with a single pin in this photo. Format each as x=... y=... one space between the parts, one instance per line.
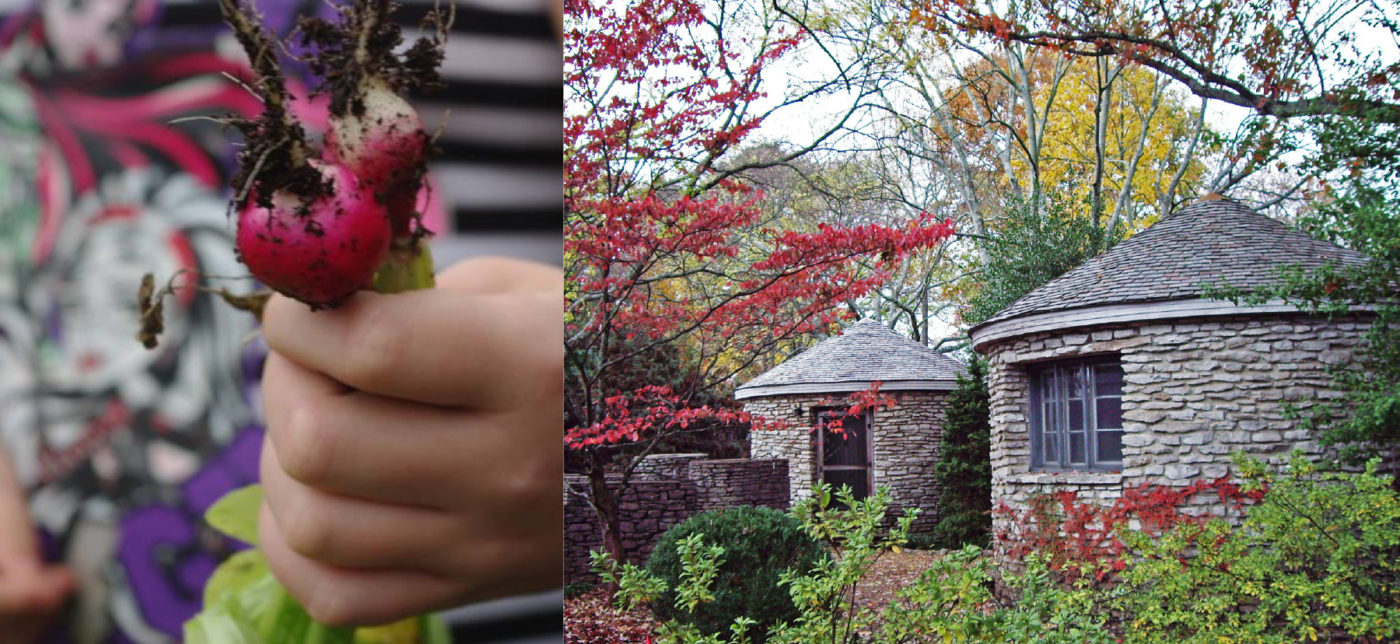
x=1076 y=415
x=1110 y=413
x=1108 y=380
x=1072 y=384
x=1076 y=448
x=1110 y=446
x=1050 y=438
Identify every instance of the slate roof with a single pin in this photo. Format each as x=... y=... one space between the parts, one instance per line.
x=865 y=352
x=1211 y=240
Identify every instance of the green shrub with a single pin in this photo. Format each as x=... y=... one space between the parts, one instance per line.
x=923 y=541
x=825 y=594
x=759 y=544
x=945 y=603
x=1318 y=558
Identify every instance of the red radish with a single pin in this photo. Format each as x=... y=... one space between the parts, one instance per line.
x=385 y=146
x=319 y=251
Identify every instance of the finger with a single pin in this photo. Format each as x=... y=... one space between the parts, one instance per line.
x=389 y=451
x=31 y=588
x=288 y=387
x=346 y=532
x=17 y=539
x=436 y=346
x=494 y=275
x=340 y=596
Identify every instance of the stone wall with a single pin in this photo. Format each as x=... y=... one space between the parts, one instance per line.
x=905 y=445
x=666 y=489
x=1194 y=391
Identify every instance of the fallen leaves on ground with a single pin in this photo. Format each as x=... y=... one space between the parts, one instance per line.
x=892 y=571
x=590 y=618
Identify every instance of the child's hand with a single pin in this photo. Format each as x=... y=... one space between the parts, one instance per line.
x=30 y=594
x=30 y=590
x=414 y=457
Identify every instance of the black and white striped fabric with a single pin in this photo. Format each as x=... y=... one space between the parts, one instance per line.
x=500 y=111
x=501 y=166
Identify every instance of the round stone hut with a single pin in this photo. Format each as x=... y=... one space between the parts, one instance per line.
x=1122 y=372
x=895 y=446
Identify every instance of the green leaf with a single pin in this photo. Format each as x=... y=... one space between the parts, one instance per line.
x=236 y=573
x=224 y=623
x=319 y=633
x=236 y=513
x=435 y=630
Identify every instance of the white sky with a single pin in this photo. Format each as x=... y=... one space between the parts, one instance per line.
x=804 y=122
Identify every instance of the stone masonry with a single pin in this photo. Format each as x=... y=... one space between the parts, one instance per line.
x=1194 y=391
x=905 y=445
x=667 y=489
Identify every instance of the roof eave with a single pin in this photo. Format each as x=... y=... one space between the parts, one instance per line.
x=986 y=334
x=848 y=386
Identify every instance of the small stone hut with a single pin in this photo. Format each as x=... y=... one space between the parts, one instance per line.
x=1120 y=372
x=896 y=446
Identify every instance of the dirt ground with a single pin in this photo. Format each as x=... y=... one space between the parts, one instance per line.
x=891 y=572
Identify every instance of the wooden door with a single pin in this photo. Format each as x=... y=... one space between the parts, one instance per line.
x=845 y=454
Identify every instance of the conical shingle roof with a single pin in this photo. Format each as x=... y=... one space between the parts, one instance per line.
x=865 y=352
x=1211 y=241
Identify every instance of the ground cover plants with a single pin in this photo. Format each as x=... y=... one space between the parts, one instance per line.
x=1302 y=553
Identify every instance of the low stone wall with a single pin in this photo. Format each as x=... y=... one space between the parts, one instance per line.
x=741 y=481
x=905 y=439
x=1194 y=391
x=666 y=489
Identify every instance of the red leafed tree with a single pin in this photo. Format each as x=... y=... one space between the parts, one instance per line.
x=1281 y=58
x=677 y=277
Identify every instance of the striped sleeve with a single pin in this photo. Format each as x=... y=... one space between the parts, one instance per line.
x=499 y=114
x=500 y=111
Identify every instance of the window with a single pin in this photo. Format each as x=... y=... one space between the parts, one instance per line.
x=845 y=455
x=1077 y=415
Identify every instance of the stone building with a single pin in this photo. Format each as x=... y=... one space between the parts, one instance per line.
x=1121 y=372
x=896 y=446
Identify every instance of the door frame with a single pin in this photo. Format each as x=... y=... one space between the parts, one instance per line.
x=869 y=467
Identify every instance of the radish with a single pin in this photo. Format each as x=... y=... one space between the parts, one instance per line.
x=319 y=251
x=374 y=131
x=385 y=145
x=319 y=225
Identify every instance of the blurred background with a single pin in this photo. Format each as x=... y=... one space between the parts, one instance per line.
x=104 y=177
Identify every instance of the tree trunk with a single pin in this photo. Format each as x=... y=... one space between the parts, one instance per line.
x=604 y=504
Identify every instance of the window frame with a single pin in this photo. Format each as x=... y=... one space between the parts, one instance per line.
x=1083 y=369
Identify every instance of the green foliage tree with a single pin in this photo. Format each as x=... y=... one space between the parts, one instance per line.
x=964 y=470
x=1034 y=242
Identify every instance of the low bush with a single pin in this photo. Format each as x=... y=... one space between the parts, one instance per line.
x=759 y=545
x=1316 y=557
